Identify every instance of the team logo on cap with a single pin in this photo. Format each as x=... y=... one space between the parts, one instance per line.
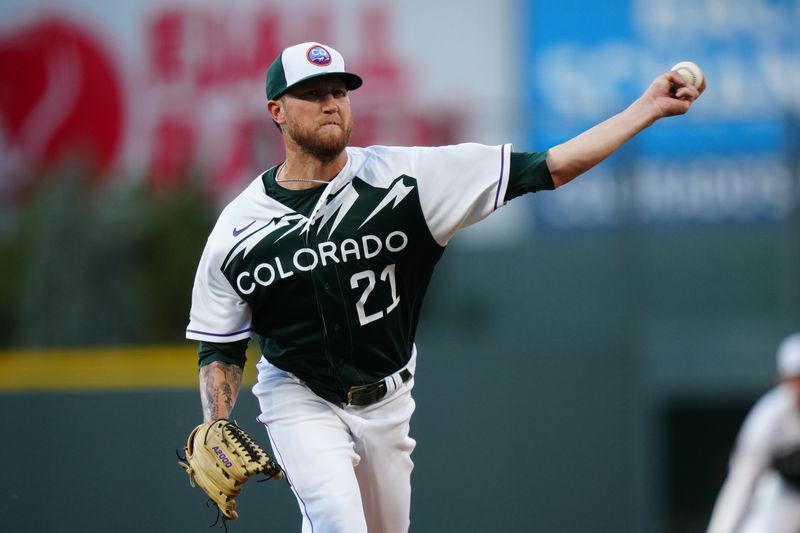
x=317 y=55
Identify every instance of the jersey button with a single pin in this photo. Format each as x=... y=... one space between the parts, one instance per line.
x=336 y=327
x=327 y=286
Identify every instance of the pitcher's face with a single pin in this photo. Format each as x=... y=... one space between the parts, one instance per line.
x=317 y=116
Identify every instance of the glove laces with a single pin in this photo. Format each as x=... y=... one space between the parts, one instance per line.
x=243 y=441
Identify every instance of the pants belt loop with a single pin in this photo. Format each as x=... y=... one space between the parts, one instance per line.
x=391 y=384
x=395 y=381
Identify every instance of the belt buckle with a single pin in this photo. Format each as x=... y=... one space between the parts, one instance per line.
x=358 y=390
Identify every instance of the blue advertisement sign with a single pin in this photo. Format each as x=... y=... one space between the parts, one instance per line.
x=732 y=159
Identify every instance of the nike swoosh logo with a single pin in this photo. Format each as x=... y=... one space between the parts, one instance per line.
x=237 y=232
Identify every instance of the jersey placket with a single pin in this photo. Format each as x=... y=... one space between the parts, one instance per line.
x=328 y=293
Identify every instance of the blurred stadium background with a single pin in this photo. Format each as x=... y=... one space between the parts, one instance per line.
x=587 y=356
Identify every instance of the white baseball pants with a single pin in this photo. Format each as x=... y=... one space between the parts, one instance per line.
x=349 y=467
x=775 y=510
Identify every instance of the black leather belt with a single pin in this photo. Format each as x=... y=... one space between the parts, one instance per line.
x=361 y=395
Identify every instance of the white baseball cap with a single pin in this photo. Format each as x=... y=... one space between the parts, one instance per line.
x=305 y=61
x=789 y=356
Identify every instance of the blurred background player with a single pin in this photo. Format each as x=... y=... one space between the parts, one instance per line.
x=762 y=491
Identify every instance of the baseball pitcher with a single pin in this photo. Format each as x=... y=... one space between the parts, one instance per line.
x=324 y=260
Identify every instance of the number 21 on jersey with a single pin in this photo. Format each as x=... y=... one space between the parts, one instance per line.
x=386 y=276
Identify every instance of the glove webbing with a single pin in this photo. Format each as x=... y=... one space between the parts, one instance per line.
x=252 y=450
x=241 y=440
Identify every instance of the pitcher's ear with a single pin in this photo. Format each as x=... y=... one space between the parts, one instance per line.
x=276 y=111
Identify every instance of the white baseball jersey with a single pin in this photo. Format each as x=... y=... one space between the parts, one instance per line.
x=331 y=279
x=762 y=491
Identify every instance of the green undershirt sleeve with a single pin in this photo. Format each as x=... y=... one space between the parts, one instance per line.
x=528 y=172
x=232 y=353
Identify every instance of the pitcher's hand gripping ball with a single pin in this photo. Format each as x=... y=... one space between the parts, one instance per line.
x=690 y=73
x=220 y=458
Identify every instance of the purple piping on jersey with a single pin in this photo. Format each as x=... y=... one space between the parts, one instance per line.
x=502 y=168
x=217 y=334
x=280 y=459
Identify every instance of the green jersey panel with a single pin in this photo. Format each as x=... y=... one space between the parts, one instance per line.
x=339 y=305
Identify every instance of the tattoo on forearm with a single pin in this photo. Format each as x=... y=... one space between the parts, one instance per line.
x=219 y=387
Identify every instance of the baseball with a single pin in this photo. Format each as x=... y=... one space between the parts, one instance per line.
x=690 y=73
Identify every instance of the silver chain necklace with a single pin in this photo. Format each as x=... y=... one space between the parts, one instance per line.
x=278 y=179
